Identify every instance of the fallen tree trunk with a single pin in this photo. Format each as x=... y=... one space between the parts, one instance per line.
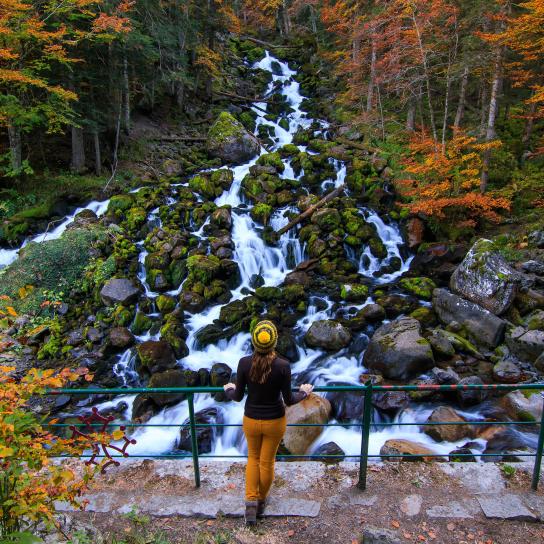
x=244 y=98
x=355 y=145
x=267 y=44
x=179 y=138
x=333 y=194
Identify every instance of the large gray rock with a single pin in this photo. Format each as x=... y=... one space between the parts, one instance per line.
x=119 y=291
x=230 y=141
x=484 y=277
x=398 y=351
x=484 y=327
x=525 y=344
x=327 y=334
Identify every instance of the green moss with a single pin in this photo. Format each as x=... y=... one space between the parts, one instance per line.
x=261 y=212
x=247 y=120
x=377 y=248
x=271 y=159
x=293 y=293
x=224 y=128
x=55 y=265
x=268 y=294
x=120 y=203
x=354 y=292
x=289 y=150
x=203 y=268
x=142 y=323
x=422 y=287
x=203 y=185
x=165 y=303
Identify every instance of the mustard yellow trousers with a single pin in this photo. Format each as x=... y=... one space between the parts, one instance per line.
x=263 y=438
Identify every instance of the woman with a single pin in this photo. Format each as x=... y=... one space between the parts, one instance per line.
x=268 y=379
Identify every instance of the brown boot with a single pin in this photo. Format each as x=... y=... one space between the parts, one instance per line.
x=261 y=505
x=251 y=512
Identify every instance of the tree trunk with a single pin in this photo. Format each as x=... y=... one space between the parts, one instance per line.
x=427 y=77
x=126 y=96
x=528 y=131
x=485 y=103
x=97 y=155
x=78 y=150
x=411 y=115
x=15 y=147
x=371 y=83
x=490 y=133
x=462 y=99
x=285 y=18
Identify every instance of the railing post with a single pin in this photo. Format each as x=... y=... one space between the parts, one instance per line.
x=194 y=441
x=539 y=448
x=365 y=435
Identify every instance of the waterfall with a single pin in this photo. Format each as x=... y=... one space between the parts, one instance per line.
x=255 y=257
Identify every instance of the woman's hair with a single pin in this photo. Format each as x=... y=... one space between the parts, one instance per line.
x=261 y=366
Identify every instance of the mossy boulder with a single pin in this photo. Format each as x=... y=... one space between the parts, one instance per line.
x=327 y=219
x=289 y=150
x=223 y=177
x=261 y=212
x=398 y=351
x=203 y=268
x=422 y=287
x=54 y=265
x=327 y=334
x=377 y=248
x=268 y=294
x=233 y=312
x=204 y=186
x=354 y=292
x=155 y=356
x=230 y=141
x=165 y=303
x=119 y=204
x=271 y=159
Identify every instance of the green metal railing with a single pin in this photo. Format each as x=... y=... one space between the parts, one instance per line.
x=367 y=390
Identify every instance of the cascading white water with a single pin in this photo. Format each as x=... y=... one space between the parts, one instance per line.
x=254 y=257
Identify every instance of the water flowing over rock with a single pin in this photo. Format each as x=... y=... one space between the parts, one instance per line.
x=204 y=435
x=484 y=277
x=398 y=351
x=484 y=327
x=418 y=451
x=315 y=410
x=119 y=291
x=230 y=141
x=327 y=334
x=447 y=433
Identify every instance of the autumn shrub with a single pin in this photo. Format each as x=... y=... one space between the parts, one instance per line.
x=442 y=184
x=30 y=480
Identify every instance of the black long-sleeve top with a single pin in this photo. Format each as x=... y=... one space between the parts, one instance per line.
x=264 y=400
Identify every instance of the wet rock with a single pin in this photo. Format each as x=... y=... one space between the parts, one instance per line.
x=222 y=241
x=391 y=401
x=174 y=377
x=287 y=347
x=354 y=292
x=143 y=408
x=220 y=374
x=525 y=344
x=484 y=277
x=461 y=455
x=230 y=141
x=471 y=397
x=121 y=338
x=447 y=433
x=326 y=219
x=313 y=409
x=210 y=334
x=417 y=451
x=156 y=356
x=395 y=305
x=74 y=338
x=398 y=351
x=191 y=302
x=506 y=372
x=525 y=405
x=327 y=334
x=83 y=219
x=119 y=291
x=484 y=327
x=233 y=312
x=221 y=218
x=445 y=377
x=533 y=267
x=204 y=435
x=93 y=335
x=529 y=301
x=346 y=405
x=165 y=303
x=441 y=345
x=537 y=238
x=504 y=442
x=332 y=450
x=372 y=313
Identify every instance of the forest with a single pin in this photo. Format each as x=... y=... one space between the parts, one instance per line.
x=367 y=175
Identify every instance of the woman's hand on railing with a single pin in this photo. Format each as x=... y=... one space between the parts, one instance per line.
x=228 y=386
x=306 y=388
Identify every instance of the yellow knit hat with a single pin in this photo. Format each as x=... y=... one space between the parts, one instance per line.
x=264 y=337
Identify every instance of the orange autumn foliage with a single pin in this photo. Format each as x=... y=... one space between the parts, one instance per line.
x=445 y=186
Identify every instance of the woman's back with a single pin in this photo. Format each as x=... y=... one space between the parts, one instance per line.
x=264 y=400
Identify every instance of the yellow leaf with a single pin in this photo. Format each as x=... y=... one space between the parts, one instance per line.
x=117 y=435
x=11 y=311
x=5 y=452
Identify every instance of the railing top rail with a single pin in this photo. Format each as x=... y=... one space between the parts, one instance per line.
x=319 y=389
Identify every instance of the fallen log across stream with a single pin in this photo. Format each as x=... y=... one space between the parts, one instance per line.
x=333 y=194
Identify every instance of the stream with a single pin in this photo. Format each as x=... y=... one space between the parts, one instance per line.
x=255 y=257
